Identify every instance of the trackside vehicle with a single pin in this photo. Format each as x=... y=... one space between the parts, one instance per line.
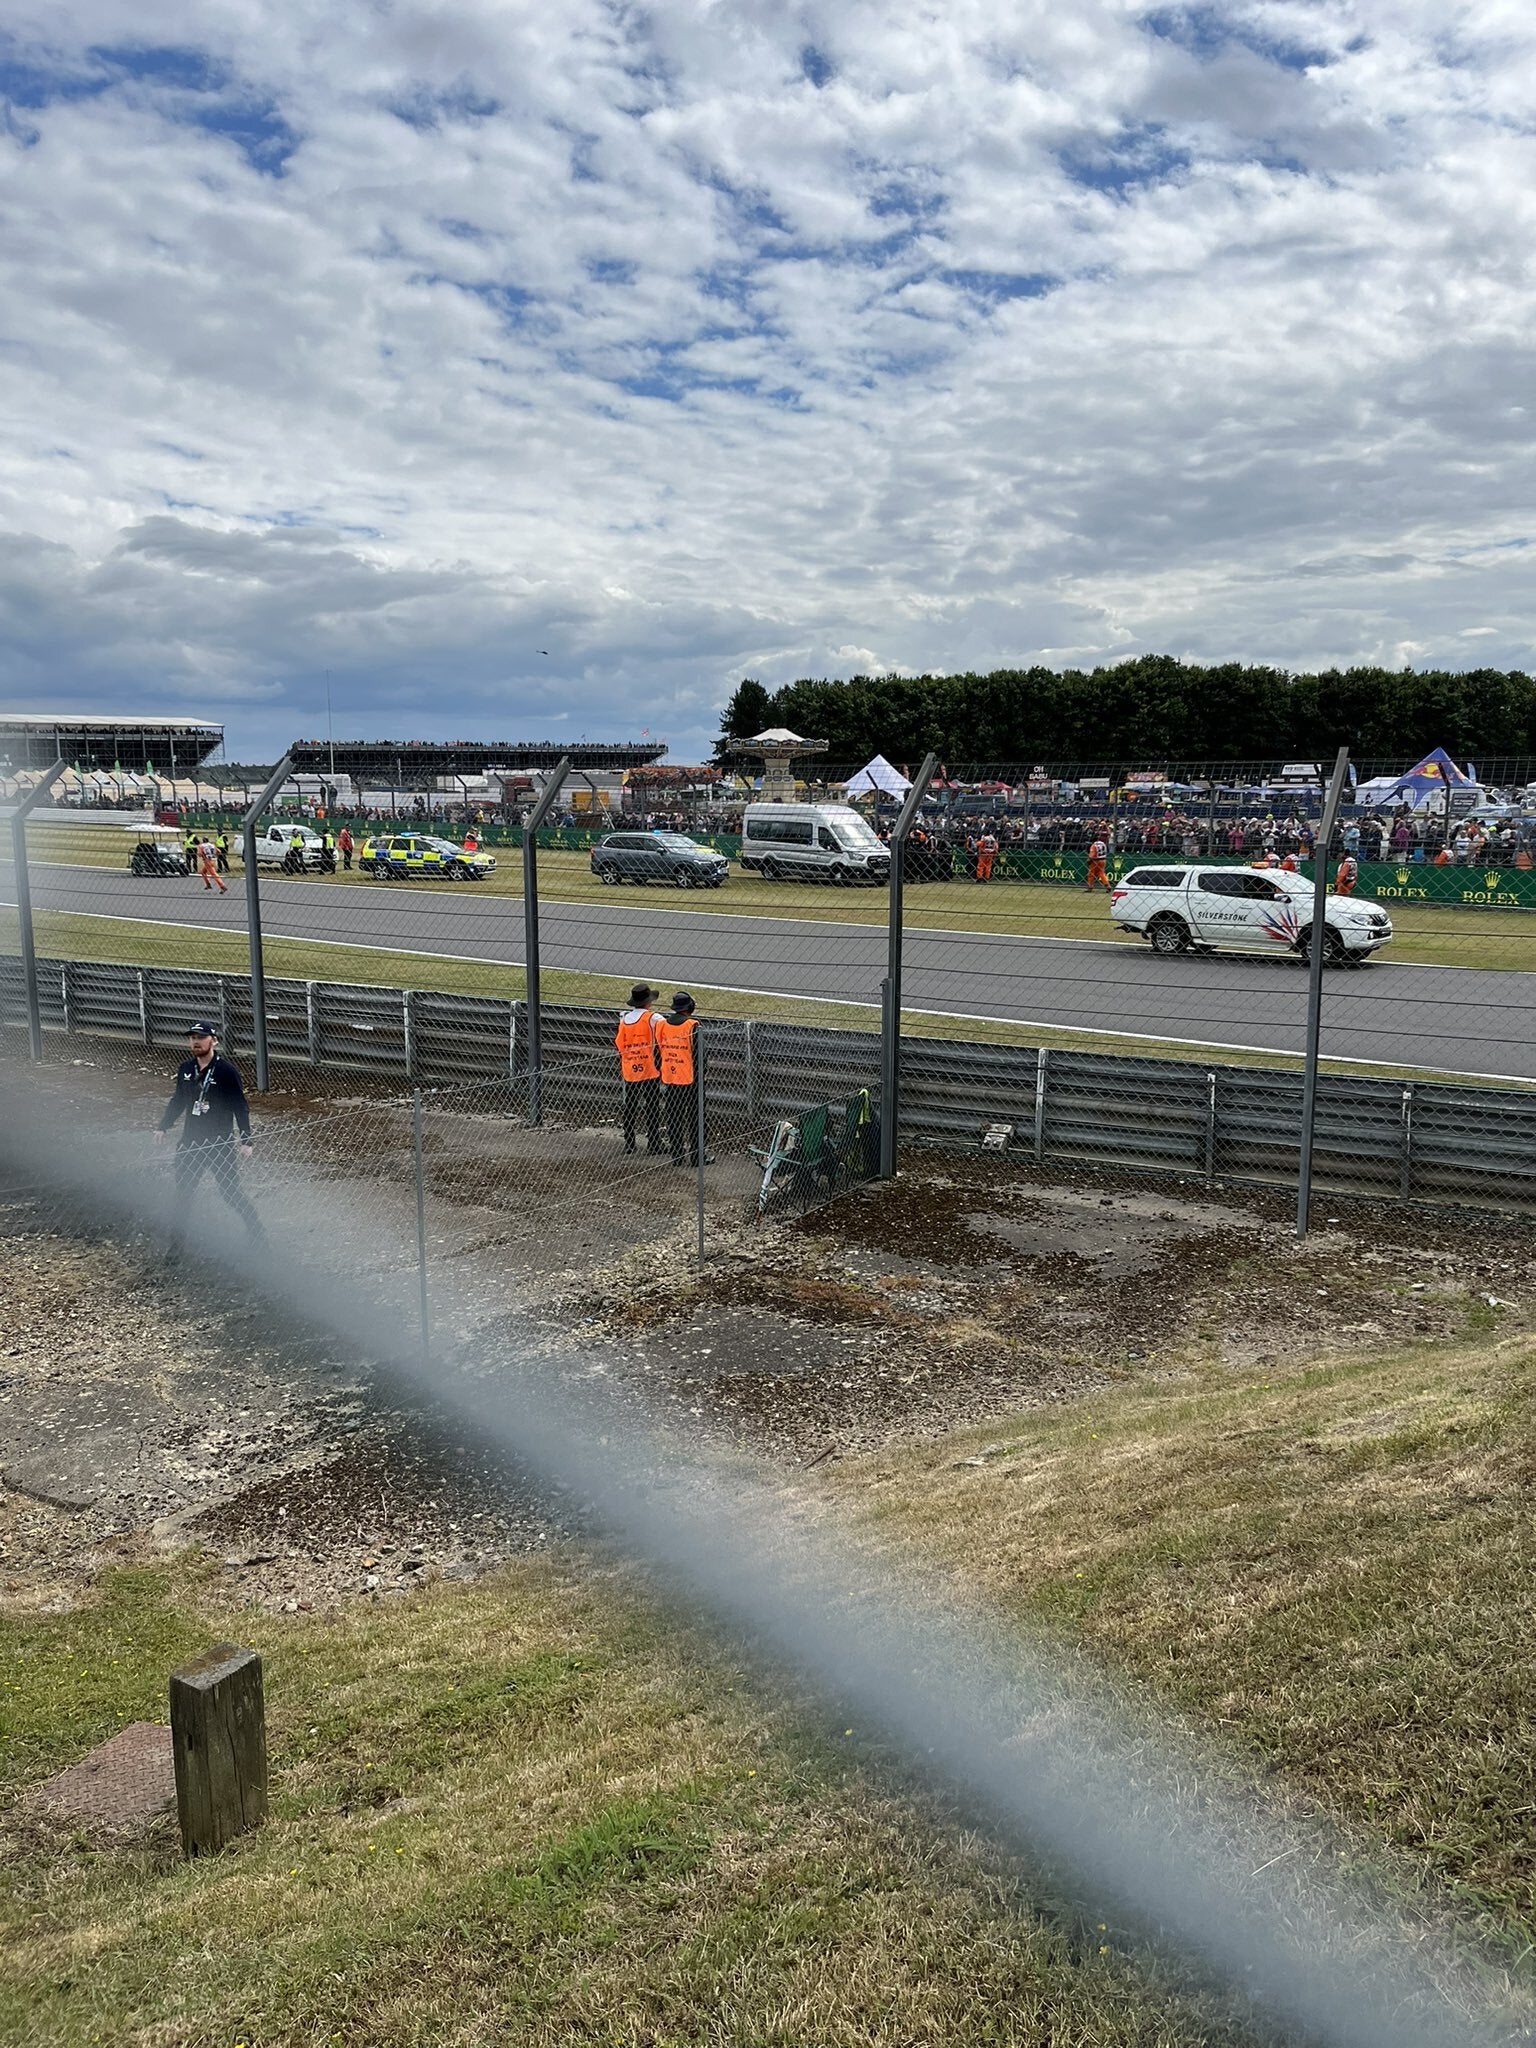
x=814 y=842
x=668 y=857
x=402 y=854
x=158 y=850
x=1194 y=908
x=274 y=841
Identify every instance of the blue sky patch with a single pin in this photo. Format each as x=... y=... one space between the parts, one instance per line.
x=993 y=287
x=428 y=110
x=25 y=83
x=1136 y=157
x=816 y=67
x=186 y=85
x=1206 y=31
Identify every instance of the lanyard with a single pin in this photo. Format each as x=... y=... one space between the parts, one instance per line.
x=200 y=1106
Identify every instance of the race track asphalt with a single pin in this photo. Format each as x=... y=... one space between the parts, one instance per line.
x=1452 y=1019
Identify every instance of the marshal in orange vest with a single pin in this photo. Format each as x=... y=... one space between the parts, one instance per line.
x=636 y=1042
x=675 y=1043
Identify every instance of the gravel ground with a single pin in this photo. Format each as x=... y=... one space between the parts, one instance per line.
x=141 y=1410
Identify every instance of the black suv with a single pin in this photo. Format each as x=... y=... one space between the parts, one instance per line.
x=658 y=857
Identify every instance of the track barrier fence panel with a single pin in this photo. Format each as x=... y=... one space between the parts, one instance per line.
x=1020 y=934
x=1386 y=1138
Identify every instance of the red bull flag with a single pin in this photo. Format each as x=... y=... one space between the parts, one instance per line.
x=1438 y=767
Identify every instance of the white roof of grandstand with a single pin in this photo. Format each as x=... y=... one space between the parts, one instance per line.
x=133 y=724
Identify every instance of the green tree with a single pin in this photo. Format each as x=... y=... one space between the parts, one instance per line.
x=749 y=711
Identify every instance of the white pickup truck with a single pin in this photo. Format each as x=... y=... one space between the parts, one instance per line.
x=1179 y=909
x=274 y=842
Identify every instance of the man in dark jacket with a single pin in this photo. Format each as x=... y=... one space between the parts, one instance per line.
x=209 y=1102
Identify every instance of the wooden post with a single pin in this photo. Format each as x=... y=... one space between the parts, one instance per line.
x=219 y=1742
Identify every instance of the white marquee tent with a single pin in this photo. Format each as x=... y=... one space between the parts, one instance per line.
x=877 y=777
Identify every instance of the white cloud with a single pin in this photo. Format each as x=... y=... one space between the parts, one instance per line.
x=735 y=339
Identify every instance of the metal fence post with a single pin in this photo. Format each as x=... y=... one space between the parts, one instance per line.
x=1210 y=1126
x=890 y=1021
x=421 y=1226
x=534 y=820
x=699 y=1136
x=749 y=1076
x=1317 y=950
x=1042 y=1069
x=253 y=918
x=1405 y=1144
x=24 y=904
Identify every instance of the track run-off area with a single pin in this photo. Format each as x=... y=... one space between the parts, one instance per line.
x=1400 y=1015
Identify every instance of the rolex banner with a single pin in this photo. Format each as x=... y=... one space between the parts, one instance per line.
x=1479 y=888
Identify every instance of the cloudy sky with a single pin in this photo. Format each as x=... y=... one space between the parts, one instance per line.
x=543 y=371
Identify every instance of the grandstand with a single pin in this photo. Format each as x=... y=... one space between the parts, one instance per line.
x=419 y=764
x=170 y=746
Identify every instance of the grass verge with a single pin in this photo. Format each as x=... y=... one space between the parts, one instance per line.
x=1333 y=1566
x=527 y=1811
x=534 y=1809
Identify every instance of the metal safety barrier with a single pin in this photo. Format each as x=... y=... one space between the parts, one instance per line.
x=1440 y=1143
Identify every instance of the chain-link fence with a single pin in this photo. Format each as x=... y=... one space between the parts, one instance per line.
x=1112 y=978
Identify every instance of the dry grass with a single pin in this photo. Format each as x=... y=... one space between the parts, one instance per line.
x=529 y=1812
x=1334 y=1566
x=535 y=1810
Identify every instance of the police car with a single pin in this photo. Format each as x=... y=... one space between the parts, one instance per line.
x=399 y=854
x=1194 y=908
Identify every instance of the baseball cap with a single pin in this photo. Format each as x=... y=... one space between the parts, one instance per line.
x=202 y=1029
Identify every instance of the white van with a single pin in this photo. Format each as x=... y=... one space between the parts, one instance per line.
x=820 y=842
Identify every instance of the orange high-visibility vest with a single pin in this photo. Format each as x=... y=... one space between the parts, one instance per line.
x=676 y=1044
x=637 y=1049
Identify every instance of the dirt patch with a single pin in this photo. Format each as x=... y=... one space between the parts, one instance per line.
x=139 y=1411
x=911 y=1310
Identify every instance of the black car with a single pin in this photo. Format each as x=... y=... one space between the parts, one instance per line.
x=669 y=857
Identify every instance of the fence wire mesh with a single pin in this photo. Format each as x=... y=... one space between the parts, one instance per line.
x=1102 y=972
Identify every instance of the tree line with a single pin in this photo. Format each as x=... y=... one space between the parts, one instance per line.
x=1151 y=709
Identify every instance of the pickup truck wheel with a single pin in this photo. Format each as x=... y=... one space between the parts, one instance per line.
x=1169 y=934
x=1335 y=953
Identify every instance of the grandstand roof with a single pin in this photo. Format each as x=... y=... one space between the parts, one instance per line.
x=401 y=760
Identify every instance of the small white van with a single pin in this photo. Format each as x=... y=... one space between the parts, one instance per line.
x=816 y=842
